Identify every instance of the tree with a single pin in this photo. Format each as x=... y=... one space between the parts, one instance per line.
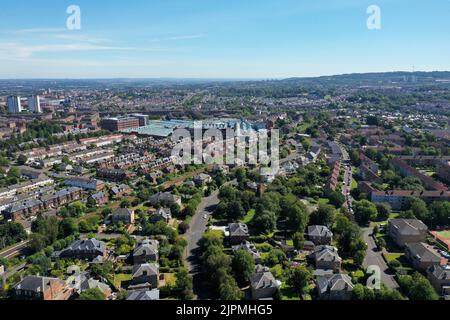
x=265 y=222
x=365 y=211
x=67 y=227
x=243 y=266
x=299 y=240
x=229 y=290
x=37 y=242
x=92 y=294
x=324 y=215
x=417 y=287
x=383 y=211
x=184 y=283
x=419 y=208
x=22 y=160
x=275 y=257
x=298 y=279
x=336 y=198
x=440 y=213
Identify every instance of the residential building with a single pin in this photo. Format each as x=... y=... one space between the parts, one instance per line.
x=439 y=277
x=263 y=284
x=91 y=250
x=164 y=214
x=14 y=104
x=146 y=251
x=404 y=231
x=41 y=288
x=124 y=215
x=250 y=248
x=85 y=183
x=327 y=257
x=238 y=233
x=165 y=198
x=399 y=198
x=144 y=295
x=422 y=256
x=145 y=275
x=335 y=287
x=34 y=104
x=320 y=235
x=100 y=198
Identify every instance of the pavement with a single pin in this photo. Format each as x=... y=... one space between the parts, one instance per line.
x=374 y=257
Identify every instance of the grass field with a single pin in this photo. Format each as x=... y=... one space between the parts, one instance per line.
x=445 y=234
x=249 y=217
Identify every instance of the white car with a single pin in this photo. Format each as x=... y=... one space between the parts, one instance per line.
x=205 y=217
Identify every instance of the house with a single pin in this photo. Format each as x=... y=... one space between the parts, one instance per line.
x=90 y=249
x=41 y=288
x=100 y=198
x=327 y=257
x=335 y=287
x=422 y=256
x=80 y=282
x=320 y=235
x=85 y=183
x=263 y=284
x=202 y=179
x=165 y=198
x=121 y=190
x=164 y=214
x=124 y=215
x=144 y=295
x=250 y=248
x=404 y=231
x=399 y=198
x=238 y=233
x=146 y=251
x=145 y=275
x=439 y=277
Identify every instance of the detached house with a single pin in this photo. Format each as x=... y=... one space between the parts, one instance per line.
x=164 y=198
x=263 y=284
x=327 y=257
x=439 y=277
x=146 y=251
x=250 y=248
x=404 y=231
x=320 y=235
x=100 y=198
x=145 y=276
x=238 y=233
x=335 y=287
x=124 y=215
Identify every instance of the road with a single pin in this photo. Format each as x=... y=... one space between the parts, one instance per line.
x=197 y=228
x=14 y=250
x=374 y=257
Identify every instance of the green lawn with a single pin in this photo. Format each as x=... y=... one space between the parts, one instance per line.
x=119 y=278
x=392 y=256
x=445 y=234
x=249 y=216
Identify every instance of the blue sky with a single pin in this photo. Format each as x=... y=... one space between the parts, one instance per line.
x=220 y=38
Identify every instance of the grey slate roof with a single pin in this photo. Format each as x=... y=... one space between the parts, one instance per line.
x=149 y=246
x=36 y=283
x=409 y=226
x=151 y=268
x=262 y=280
x=238 y=229
x=326 y=253
x=439 y=272
x=423 y=253
x=144 y=295
x=337 y=282
x=319 y=231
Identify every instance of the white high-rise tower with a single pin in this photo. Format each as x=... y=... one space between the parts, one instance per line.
x=14 y=105
x=34 y=105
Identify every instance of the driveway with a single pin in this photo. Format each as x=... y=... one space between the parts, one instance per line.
x=374 y=257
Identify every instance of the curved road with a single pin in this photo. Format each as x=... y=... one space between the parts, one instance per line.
x=374 y=257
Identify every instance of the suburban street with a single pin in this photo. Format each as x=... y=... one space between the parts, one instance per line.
x=374 y=257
